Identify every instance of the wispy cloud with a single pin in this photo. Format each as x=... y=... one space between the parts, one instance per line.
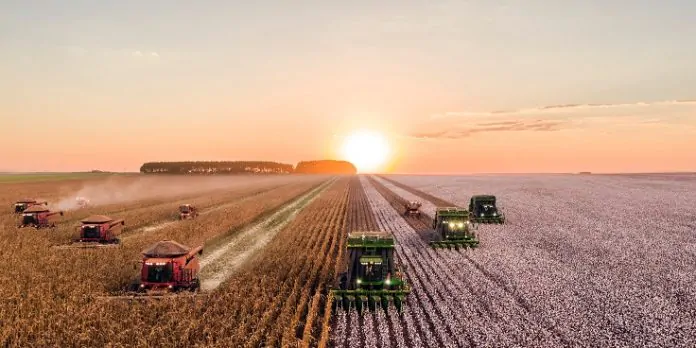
x=456 y=125
x=562 y=108
x=137 y=54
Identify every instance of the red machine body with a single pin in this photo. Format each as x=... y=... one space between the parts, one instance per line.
x=187 y=211
x=100 y=229
x=168 y=266
x=413 y=209
x=38 y=216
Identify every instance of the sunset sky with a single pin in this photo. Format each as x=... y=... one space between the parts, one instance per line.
x=456 y=87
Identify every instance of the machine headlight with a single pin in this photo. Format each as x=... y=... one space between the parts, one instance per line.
x=495 y=214
x=142 y=285
x=358 y=281
x=388 y=282
x=460 y=225
x=451 y=224
x=481 y=215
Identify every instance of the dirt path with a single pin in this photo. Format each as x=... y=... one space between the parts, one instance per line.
x=230 y=253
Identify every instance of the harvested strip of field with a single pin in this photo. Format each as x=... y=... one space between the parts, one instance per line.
x=231 y=253
x=602 y=276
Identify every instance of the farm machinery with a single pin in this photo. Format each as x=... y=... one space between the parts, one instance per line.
x=22 y=204
x=482 y=209
x=454 y=229
x=97 y=231
x=187 y=211
x=413 y=209
x=167 y=268
x=373 y=279
x=38 y=216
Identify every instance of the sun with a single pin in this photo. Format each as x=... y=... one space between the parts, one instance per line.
x=367 y=150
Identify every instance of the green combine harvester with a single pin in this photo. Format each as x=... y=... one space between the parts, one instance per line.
x=482 y=209
x=373 y=279
x=453 y=228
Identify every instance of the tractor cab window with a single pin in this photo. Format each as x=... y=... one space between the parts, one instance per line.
x=487 y=208
x=28 y=219
x=184 y=209
x=19 y=207
x=159 y=272
x=90 y=231
x=373 y=267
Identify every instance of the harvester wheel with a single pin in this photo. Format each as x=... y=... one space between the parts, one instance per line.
x=196 y=286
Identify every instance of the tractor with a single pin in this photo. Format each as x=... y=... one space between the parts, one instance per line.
x=373 y=279
x=23 y=204
x=187 y=211
x=37 y=216
x=98 y=231
x=413 y=209
x=168 y=267
x=482 y=209
x=454 y=229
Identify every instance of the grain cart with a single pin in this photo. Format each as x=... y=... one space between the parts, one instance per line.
x=453 y=229
x=187 y=211
x=25 y=203
x=38 y=216
x=373 y=279
x=482 y=209
x=413 y=209
x=97 y=231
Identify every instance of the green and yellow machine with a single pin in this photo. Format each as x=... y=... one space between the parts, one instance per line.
x=482 y=209
x=373 y=279
x=454 y=229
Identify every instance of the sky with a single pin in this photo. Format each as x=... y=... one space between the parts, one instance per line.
x=456 y=86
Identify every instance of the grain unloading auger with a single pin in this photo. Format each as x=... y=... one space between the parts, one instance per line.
x=482 y=209
x=373 y=279
x=97 y=231
x=168 y=269
x=453 y=229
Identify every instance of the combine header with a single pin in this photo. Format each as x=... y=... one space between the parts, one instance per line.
x=483 y=210
x=454 y=229
x=97 y=231
x=37 y=216
x=167 y=269
x=373 y=279
x=22 y=204
x=187 y=211
x=413 y=209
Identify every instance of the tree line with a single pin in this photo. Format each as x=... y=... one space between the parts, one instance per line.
x=248 y=167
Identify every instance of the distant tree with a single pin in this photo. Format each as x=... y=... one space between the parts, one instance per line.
x=216 y=167
x=325 y=167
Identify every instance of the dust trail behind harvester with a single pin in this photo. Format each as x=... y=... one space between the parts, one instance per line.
x=124 y=190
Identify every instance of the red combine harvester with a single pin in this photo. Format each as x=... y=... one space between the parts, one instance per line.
x=187 y=211
x=97 y=231
x=22 y=204
x=167 y=267
x=37 y=216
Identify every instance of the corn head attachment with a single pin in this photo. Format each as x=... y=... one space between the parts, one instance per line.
x=373 y=279
x=454 y=229
x=482 y=209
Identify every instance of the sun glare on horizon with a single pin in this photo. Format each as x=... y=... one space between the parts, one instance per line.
x=367 y=150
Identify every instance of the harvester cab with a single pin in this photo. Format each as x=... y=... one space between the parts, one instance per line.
x=168 y=266
x=21 y=205
x=99 y=230
x=187 y=211
x=483 y=209
x=38 y=216
x=413 y=209
x=453 y=228
x=373 y=279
